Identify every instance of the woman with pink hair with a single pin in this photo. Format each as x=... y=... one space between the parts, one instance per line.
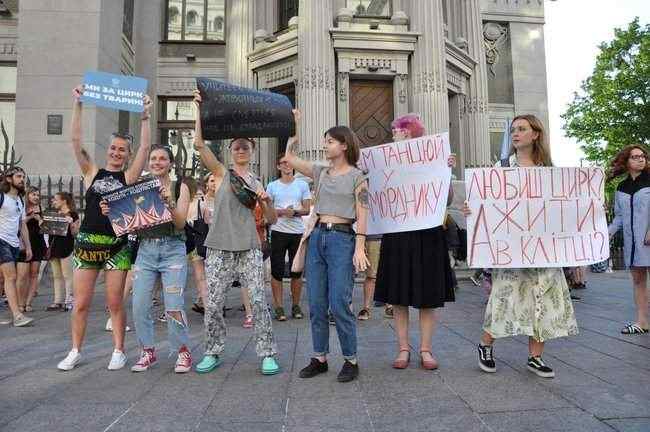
x=414 y=270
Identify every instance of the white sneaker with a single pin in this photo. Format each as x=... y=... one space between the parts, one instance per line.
x=70 y=361
x=118 y=360
x=109 y=326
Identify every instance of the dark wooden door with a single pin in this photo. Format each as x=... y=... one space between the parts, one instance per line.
x=371 y=111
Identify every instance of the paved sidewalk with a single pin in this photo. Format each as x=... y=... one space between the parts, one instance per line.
x=602 y=382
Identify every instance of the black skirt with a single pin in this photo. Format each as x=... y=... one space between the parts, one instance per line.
x=414 y=269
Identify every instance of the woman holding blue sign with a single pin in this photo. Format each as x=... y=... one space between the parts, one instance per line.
x=233 y=248
x=534 y=302
x=96 y=246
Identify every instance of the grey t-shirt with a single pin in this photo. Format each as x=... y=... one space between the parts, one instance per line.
x=336 y=195
x=233 y=224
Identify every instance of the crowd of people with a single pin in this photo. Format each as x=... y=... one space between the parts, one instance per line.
x=219 y=230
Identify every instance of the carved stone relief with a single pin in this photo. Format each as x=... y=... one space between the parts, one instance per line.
x=494 y=36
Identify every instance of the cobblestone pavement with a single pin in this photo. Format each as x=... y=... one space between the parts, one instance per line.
x=602 y=381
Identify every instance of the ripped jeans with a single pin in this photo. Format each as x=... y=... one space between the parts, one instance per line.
x=164 y=256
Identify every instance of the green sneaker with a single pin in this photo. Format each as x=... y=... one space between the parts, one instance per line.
x=279 y=314
x=270 y=366
x=208 y=364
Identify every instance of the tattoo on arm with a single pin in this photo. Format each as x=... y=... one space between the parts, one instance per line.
x=362 y=198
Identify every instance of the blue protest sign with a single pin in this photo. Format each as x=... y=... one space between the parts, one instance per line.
x=118 y=92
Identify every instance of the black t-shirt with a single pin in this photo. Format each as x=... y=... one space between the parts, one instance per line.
x=62 y=246
x=631 y=186
x=94 y=221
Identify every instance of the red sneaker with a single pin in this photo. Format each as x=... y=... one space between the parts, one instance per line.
x=184 y=361
x=147 y=359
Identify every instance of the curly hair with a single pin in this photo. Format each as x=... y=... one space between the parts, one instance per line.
x=410 y=122
x=618 y=165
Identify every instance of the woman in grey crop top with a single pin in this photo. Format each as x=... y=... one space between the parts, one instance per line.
x=233 y=249
x=334 y=250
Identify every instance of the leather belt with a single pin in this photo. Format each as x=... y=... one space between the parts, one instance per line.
x=341 y=227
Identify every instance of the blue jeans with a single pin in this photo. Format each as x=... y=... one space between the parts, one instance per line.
x=164 y=257
x=330 y=279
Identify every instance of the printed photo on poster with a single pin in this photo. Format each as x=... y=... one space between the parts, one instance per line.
x=536 y=217
x=54 y=224
x=137 y=207
x=408 y=183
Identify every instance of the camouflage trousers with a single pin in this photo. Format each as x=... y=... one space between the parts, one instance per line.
x=222 y=268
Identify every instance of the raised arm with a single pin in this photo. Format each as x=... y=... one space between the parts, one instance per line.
x=88 y=167
x=207 y=157
x=359 y=259
x=134 y=171
x=302 y=166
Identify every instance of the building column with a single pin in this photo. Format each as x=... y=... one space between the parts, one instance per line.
x=239 y=43
x=315 y=84
x=429 y=66
x=476 y=108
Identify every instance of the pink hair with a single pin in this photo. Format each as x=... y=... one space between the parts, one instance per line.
x=410 y=122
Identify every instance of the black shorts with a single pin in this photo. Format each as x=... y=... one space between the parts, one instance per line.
x=280 y=244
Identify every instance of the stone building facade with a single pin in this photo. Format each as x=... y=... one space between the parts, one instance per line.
x=464 y=65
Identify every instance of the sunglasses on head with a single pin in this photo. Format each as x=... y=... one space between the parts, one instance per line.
x=126 y=137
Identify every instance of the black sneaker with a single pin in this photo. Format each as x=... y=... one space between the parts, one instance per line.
x=296 y=312
x=348 y=372
x=486 y=359
x=537 y=366
x=315 y=367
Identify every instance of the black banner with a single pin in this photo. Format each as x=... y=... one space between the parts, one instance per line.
x=230 y=111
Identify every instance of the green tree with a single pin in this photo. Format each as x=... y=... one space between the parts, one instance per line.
x=612 y=109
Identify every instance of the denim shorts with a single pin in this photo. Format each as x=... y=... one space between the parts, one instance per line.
x=8 y=253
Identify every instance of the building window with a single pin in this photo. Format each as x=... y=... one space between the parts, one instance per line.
x=287 y=9
x=176 y=126
x=7 y=103
x=127 y=23
x=370 y=8
x=195 y=20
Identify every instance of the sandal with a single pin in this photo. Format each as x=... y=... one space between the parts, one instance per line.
x=402 y=364
x=388 y=312
x=633 y=328
x=29 y=308
x=198 y=308
x=54 y=307
x=428 y=364
x=364 y=315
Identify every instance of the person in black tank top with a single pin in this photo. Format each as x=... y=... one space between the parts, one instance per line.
x=60 y=253
x=96 y=247
x=27 y=270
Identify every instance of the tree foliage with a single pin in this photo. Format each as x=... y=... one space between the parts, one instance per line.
x=612 y=109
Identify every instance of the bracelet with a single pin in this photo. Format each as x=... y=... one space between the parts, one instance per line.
x=361 y=234
x=144 y=118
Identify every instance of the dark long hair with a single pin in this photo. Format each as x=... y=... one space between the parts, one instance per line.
x=69 y=200
x=345 y=135
x=618 y=165
x=5 y=187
